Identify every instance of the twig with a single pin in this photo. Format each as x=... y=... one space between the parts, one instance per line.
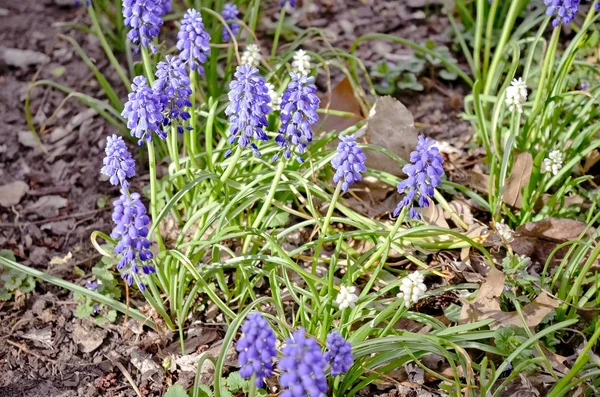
x=127 y=376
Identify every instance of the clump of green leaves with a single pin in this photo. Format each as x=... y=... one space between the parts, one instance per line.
x=12 y=281
x=234 y=384
x=391 y=77
x=108 y=286
x=518 y=279
x=508 y=339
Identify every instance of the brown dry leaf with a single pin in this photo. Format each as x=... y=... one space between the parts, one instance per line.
x=476 y=181
x=533 y=313
x=554 y=229
x=486 y=304
x=557 y=361
x=520 y=387
x=343 y=99
x=590 y=160
x=521 y=173
x=434 y=215
x=391 y=125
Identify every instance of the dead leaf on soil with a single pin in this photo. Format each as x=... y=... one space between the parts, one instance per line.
x=57 y=260
x=558 y=230
x=519 y=178
x=434 y=215
x=590 y=160
x=557 y=361
x=390 y=125
x=88 y=336
x=520 y=387
x=343 y=99
x=486 y=304
x=533 y=313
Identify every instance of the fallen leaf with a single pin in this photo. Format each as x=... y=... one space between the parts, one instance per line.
x=88 y=336
x=144 y=363
x=343 y=99
x=520 y=387
x=434 y=215
x=519 y=178
x=486 y=304
x=558 y=230
x=590 y=160
x=390 y=125
x=533 y=313
x=22 y=58
x=57 y=260
x=43 y=336
x=12 y=193
x=557 y=361
x=48 y=206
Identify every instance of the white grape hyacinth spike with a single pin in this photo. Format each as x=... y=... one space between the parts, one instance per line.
x=412 y=288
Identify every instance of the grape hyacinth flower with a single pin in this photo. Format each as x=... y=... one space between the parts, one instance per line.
x=303 y=366
x=248 y=109
x=143 y=111
x=193 y=41
x=143 y=17
x=292 y=3
x=230 y=13
x=516 y=95
x=92 y=285
x=251 y=56
x=165 y=6
x=301 y=62
x=87 y=3
x=346 y=297
x=349 y=163
x=565 y=10
x=412 y=288
x=299 y=105
x=131 y=231
x=339 y=355
x=118 y=163
x=424 y=174
x=553 y=163
x=256 y=349
x=172 y=85
x=274 y=95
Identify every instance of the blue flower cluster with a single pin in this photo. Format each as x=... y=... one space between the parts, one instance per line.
x=193 y=40
x=339 y=355
x=292 y=3
x=424 y=175
x=349 y=163
x=299 y=105
x=249 y=107
x=256 y=349
x=129 y=215
x=172 y=86
x=143 y=111
x=143 y=17
x=303 y=365
x=565 y=10
x=165 y=6
x=230 y=13
x=118 y=164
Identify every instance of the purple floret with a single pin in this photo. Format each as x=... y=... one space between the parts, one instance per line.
x=256 y=349
x=349 y=163
x=143 y=17
x=303 y=367
x=563 y=10
x=339 y=355
x=143 y=111
x=230 y=13
x=172 y=85
x=249 y=107
x=118 y=163
x=131 y=231
x=424 y=174
x=299 y=105
x=193 y=41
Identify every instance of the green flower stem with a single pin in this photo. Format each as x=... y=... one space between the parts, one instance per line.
x=154 y=193
x=109 y=53
x=382 y=248
x=208 y=133
x=147 y=65
x=267 y=204
x=278 y=32
x=325 y=226
x=232 y=164
x=192 y=136
x=489 y=31
x=444 y=204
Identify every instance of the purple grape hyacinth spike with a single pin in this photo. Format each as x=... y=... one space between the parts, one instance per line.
x=193 y=41
x=143 y=17
x=303 y=367
x=349 y=162
x=143 y=111
x=249 y=107
x=230 y=13
x=131 y=231
x=424 y=174
x=339 y=355
x=118 y=164
x=172 y=85
x=256 y=349
x=563 y=10
x=299 y=105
